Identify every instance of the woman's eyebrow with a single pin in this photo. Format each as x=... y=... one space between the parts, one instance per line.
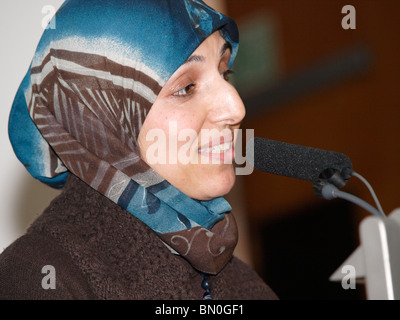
x=195 y=58
x=225 y=47
x=199 y=58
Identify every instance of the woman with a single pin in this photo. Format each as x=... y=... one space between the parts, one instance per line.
x=140 y=217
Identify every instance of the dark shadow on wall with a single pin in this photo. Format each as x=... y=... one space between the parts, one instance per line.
x=302 y=251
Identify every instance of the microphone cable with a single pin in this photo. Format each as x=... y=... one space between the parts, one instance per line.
x=371 y=190
x=329 y=192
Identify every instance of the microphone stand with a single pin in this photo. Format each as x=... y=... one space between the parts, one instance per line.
x=377 y=259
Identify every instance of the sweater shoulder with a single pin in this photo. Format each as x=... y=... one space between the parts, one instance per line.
x=238 y=281
x=34 y=267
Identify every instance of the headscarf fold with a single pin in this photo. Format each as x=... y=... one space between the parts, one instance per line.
x=82 y=103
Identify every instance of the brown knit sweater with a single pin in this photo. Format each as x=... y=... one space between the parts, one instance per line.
x=100 y=251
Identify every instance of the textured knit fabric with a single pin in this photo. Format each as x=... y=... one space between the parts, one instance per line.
x=79 y=110
x=100 y=251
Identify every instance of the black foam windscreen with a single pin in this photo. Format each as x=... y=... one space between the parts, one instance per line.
x=296 y=161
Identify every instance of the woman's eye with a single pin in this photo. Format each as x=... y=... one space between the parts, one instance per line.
x=227 y=75
x=186 y=91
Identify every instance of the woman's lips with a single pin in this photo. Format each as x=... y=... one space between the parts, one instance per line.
x=220 y=148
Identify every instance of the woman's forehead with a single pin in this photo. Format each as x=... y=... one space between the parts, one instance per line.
x=214 y=41
x=214 y=47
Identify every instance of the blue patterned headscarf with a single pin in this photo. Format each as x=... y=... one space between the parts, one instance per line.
x=88 y=90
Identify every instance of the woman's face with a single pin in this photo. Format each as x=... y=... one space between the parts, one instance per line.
x=187 y=136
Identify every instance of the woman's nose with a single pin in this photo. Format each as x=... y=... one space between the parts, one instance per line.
x=227 y=106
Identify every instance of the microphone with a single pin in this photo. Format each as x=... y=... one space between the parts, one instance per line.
x=300 y=162
x=327 y=170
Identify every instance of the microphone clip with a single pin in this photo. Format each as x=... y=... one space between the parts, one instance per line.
x=332 y=177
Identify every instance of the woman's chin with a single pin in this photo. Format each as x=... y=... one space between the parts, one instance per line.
x=216 y=186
